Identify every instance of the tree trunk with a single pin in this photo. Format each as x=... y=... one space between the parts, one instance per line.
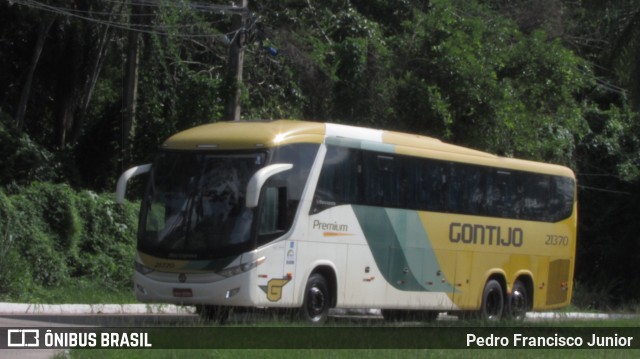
x=68 y=87
x=26 y=88
x=92 y=78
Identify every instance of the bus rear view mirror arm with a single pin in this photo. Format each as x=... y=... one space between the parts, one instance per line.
x=259 y=178
x=121 y=188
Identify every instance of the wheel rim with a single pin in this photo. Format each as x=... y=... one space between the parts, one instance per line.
x=518 y=303
x=315 y=303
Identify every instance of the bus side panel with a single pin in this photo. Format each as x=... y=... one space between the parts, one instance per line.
x=311 y=256
x=388 y=260
x=364 y=286
x=464 y=297
x=510 y=248
x=325 y=243
x=403 y=252
x=334 y=238
x=541 y=285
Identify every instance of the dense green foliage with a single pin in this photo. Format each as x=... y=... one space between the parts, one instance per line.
x=547 y=80
x=53 y=235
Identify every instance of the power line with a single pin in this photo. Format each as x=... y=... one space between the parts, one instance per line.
x=157 y=29
x=604 y=190
x=202 y=7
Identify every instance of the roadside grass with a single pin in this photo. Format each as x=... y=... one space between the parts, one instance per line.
x=84 y=291
x=96 y=293
x=489 y=353
x=349 y=353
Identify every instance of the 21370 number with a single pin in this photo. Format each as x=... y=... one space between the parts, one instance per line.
x=555 y=240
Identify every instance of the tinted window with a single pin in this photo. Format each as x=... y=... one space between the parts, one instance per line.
x=282 y=192
x=353 y=176
x=561 y=203
x=466 y=189
x=339 y=181
x=382 y=180
x=426 y=182
x=535 y=194
x=194 y=207
x=502 y=197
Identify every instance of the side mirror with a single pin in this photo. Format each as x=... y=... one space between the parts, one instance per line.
x=121 y=187
x=259 y=178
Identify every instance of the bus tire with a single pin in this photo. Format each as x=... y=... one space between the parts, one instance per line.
x=518 y=301
x=493 y=303
x=317 y=300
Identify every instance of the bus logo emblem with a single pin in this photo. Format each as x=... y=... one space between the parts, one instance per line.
x=273 y=289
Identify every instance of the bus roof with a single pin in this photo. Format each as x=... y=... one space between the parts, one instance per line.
x=265 y=134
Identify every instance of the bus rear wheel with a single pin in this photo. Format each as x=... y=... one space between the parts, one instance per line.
x=492 y=301
x=518 y=301
x=317 y=300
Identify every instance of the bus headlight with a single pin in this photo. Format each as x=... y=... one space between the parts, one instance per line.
x=230 y=272
x=141 y=268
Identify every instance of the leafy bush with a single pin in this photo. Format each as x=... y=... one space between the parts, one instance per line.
x=11 y=263
x=596 y=295
x=52 y=235
x=107 y=244
x=23 y=160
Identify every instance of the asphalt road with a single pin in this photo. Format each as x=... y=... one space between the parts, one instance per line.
x=29 y=322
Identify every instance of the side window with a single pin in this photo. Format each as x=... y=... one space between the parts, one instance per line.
x=466 y=188
x=547 y=198
x=426 y=184
x=355 y=176
x=455 y=188
x=269 y=212
x=561 y=199
x=502 y=194
x=339 y=180
x=535 y=194
x=273 y=213
x=475 y=194
x=301 y=155
x=382 y=180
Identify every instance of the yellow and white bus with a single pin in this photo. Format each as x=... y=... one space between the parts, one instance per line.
x=293 y=214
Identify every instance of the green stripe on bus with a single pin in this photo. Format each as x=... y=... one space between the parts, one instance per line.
x=408 y=264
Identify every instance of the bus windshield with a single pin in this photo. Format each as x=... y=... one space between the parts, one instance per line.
x=194 y=207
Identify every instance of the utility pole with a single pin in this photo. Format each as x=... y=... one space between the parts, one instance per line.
x=236 y=63
x=130 y=84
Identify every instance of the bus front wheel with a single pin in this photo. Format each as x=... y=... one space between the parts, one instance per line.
x=492 y=301
x=317 y=300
